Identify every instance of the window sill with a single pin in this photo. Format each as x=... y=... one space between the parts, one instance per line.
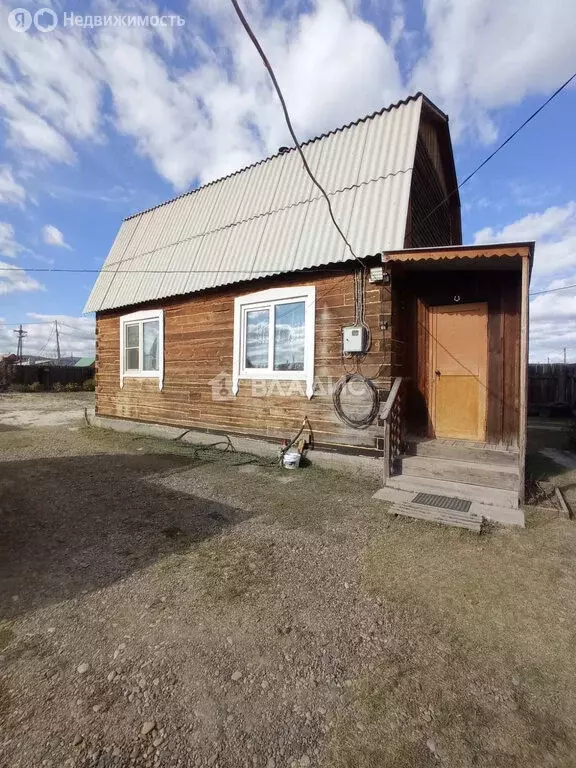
x=142 y=375
x=153 y=375
x=278 y=375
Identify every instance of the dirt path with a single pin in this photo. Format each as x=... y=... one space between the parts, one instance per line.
x=43 y=409
x=170 y=607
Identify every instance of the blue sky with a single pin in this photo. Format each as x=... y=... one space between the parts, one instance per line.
x=98 y=123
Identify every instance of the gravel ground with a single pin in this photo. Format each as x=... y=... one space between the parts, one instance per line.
x=42 y=409
x=170 y=606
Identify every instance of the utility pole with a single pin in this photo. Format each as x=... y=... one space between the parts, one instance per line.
x=564 y=355
x=21 y=334
x=57 y=342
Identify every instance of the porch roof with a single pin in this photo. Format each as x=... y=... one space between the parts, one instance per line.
x=501 y=254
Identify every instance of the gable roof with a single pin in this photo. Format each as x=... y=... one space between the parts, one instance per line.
x=269 y=218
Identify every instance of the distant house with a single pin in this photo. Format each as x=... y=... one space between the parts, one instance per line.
x=237 y=307
x=85 y=362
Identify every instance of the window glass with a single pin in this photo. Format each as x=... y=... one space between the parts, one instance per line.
x=132 y=348
x=132 y=363
x=150 y=335
x=257 y=335
x=132 y=335
x=289 y=336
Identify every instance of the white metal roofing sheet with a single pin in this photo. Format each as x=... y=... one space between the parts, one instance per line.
x=270 y=218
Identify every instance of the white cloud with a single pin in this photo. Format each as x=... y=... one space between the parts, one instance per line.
x=221 y=115
x=553 y=323
x=77 y=336
x=8 y=245
x=198 y=110
x=552 y=315
x=52 y=236
x=554 y=231
x=486 y=54
x=11 y=191
x=14 y=279
x=50 y=90
x=29 y=131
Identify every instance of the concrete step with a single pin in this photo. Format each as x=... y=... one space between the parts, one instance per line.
x=469 y=472
x=502 y=515
x=469 y=520
x=490 y=496
x=441 y=449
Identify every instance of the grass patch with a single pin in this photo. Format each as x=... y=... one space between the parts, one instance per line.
x=172 y=563
x=481 y=668
x=6 y=635
x=230 y=571
x=542 y=468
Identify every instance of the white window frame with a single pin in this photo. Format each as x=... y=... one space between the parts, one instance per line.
x=140 y=318
x=268 y=300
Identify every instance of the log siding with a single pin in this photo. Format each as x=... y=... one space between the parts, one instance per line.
x=198 y=349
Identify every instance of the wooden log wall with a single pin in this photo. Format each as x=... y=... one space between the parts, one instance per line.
x=429 y=220
x=198 y=347
x=434 y=210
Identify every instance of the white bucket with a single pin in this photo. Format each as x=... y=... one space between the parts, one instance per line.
x=291 y=460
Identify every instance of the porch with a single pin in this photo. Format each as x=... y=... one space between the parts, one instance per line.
x=455 y=418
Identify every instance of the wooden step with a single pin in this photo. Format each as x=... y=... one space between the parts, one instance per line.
x=467 y=520
x=502 y=515
x=469 y=472
x=495 y=497
x=442 y=449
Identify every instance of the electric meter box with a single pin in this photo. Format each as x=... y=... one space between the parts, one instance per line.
x=353 y=339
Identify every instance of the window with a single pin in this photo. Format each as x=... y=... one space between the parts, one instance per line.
x=142 y=346
x=274 y=336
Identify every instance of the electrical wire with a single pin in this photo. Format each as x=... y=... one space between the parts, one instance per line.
x=237 y=271
x=361 y=422
x=278 y=90
x=284 y=450
x=217 y=453
x=47 y=340
x=552 y=290
x=359 y=279
x=502 y=145
x=344 y=277
x=289 y=123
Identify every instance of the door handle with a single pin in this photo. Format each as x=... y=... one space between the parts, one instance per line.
x=437 y=373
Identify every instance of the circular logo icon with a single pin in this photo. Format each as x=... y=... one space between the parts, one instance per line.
x=20 y=20
x=45 y=20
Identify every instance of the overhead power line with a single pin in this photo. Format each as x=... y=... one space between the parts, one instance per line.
x=267 y=271
x=184 y=272
x=501 y=146
x=278 y=90
x=322 y=190
x=553 y=290
x=48 y=339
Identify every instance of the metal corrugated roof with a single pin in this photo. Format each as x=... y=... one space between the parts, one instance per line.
x=270 y=218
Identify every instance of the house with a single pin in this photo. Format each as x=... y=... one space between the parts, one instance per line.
x=85 y=362
x=237 y=308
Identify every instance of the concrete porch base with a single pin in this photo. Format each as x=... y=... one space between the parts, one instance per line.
x=364 y=465
x=503 y=515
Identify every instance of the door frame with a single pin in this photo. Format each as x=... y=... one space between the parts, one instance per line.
x=431 y=366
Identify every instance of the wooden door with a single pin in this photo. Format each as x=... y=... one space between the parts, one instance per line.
x=458 y=371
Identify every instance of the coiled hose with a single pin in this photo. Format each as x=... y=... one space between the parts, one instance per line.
x=364 y=421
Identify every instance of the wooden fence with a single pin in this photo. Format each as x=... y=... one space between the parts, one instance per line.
x=552 y=383
x=45 y=375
